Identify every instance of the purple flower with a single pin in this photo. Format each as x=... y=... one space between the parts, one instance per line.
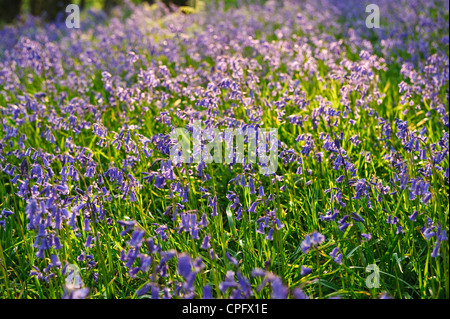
x=184 y=265
x=232 y=259
x=142 y=291
x=159 y=181
x=279 y=291
x=306 y=244
x=243 y=184
x=81 y=293
x=343 y=225
x=88 y=241
x=229 y=281
x=253 y=207
x=357 y=217
x=336 y=257
x=329 y=216
x=270 y=234
x=213 y=203
x=299 y=294
x=435 y=252
x=317 y=238
x=261 y=191
x=251 y=185
x=413 y=216
x=305 y=271
x=205 y=243
x=207 y=292
x=312 y=240
x=136 y=238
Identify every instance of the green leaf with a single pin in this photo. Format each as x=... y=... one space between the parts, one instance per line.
x=230 y=217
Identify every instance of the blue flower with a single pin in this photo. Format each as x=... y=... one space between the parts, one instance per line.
x=357 y=217
x=270 y=234
x=343 y=225
x=413 y=216
x=253 y=207
x=136 y=237
x=306 y=244
x=312 y=240
x=251 y=185
x=305 y=271
x=367 y=236
x=299 y=294
x=279 y=291
x=232 y=259
x=207 y=292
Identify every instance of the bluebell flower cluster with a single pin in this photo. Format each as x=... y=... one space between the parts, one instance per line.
x=85 y=145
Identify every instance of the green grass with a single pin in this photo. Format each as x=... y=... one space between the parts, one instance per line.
x=407 y=270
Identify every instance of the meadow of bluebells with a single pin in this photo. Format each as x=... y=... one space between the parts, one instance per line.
x=92 y=206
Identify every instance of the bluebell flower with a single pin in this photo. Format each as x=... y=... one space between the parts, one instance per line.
x=155 y=291
x=270 y=234
x=317 y=238
x=312 y=240
x=367 y=236
x=236 y=202
x=81 y=293
x=244 y=285
x=205 y=243
x=184 y=265
x=229 y=281
x=232 y=259
x=145 y=262
x=185 y=194
x=253 y=207
x=413 y=216
x=207 y=292
x=136 y=237
x=54 y=261
x=343 y=225
x=142 y=291
x=428 y=233
x=251 y=185
x=299 y=294
x=435 y=252
x=279 y=291
x=329 y=216
x=340 y=179
x=338 y=259
x=261 y=191
x=260 y=229
x=305 y=271
x=88 y=241
x=306 y=244
x=357 y=217
x=159 y=181
x=243 y=184
x=128 y=226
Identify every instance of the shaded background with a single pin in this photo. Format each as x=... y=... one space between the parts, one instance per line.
x=49 y=9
